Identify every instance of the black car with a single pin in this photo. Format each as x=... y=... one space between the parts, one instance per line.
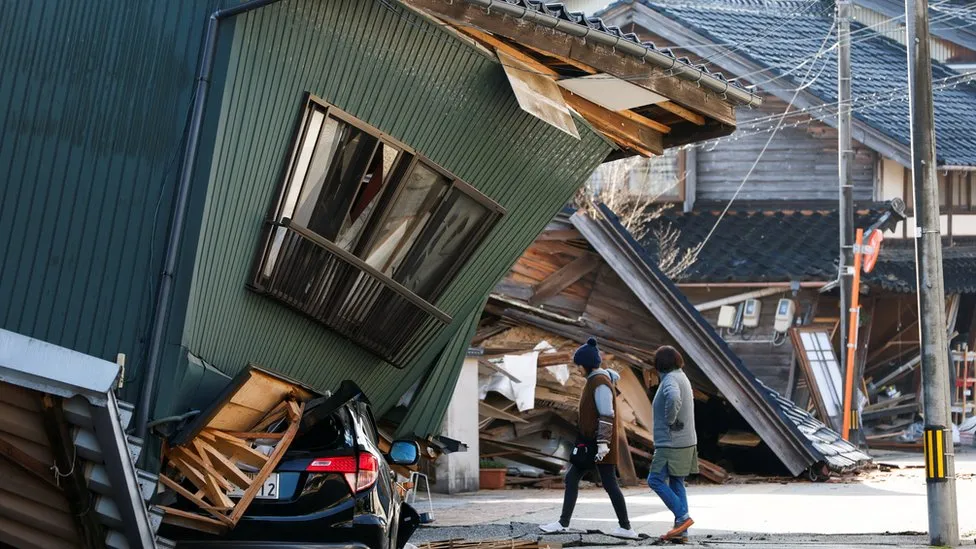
x=333 y=488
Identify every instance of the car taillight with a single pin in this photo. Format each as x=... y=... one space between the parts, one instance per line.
x=359 y=478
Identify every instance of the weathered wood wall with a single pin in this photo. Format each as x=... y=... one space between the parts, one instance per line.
x=768 y=361
x=800 y=162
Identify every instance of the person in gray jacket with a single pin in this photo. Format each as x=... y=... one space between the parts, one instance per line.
x=675 y=440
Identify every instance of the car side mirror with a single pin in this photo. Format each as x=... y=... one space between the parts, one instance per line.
x=404 y=452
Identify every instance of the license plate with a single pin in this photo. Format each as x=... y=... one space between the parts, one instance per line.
x=268 y=491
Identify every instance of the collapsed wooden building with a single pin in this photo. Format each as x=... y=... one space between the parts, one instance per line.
x=585 y=275
x=788 y=257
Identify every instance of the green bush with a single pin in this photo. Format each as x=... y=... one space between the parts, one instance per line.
x=492 y=464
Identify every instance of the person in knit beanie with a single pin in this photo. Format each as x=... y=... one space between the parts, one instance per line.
x=596 y=423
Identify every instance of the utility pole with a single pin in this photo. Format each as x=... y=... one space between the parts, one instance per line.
x=845 y=160
x=939 y=458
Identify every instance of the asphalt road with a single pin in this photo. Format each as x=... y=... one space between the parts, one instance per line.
x=875 y=509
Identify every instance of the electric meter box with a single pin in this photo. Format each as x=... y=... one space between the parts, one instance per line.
x=750 y=313
x=726 y=316
x=785 y=311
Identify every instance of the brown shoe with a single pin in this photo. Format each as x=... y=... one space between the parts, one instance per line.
x=678 y=530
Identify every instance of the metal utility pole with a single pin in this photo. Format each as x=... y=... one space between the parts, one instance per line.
x=845 y=159
x=939 y=459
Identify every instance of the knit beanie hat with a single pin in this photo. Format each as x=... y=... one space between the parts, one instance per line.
x=588 y=356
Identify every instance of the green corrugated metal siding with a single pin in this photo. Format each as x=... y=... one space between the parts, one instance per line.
x=430 y=402
x=93 y=101
x=404 y=75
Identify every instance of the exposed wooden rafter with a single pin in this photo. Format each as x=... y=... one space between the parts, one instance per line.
x=627 y=128
x=604 y=59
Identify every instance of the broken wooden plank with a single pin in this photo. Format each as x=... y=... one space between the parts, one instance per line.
x=223 y=465
x=712 y=472
x=487 y=410
x=625 y=461
x=493 y=368
x=186 y=519
x=237 y=449
x=740 y=438
x=564 y=278
x=269 y=466
x=633 y=392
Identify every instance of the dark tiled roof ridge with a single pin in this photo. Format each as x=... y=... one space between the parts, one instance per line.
x=560 y=11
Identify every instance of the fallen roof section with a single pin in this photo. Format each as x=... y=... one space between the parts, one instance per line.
x=64 y=454
x=800 y=441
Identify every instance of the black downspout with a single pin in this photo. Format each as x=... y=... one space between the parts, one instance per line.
x=165 y=295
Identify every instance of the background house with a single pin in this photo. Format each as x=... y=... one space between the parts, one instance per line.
x=778 y=237
x=364 y=175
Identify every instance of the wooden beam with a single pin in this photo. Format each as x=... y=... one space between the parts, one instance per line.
x=269 y=466
x=623 y=126
x=518 y=54
x=602 y=58
x=565 y=60
x=493 y=368
x=26 y=462
x=186 y=519
x=488 y=410
x=678 y=110
x=638 y=137
x=564 y=278
x=237 y=449
x=625 y=461
x=224 y=466
x=71 y=474
x=645 y=121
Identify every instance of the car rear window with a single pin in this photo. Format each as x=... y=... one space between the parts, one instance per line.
x=329 y=432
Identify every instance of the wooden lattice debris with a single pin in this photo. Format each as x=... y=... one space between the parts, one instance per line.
x=219 y=456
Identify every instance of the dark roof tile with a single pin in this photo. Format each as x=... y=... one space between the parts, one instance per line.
x=777 y=246
x=878 y=65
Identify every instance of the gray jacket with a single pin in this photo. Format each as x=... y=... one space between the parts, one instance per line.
x=674 y=412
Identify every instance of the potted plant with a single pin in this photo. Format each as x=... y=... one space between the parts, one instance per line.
x=491 y=475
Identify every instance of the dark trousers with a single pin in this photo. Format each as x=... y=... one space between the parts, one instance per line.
x=608 y=477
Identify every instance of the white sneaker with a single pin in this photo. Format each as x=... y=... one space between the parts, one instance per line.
x=553 y=528
x=619 y=532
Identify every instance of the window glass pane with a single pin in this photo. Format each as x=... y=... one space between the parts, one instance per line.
x=368 y=195
x=305 y=148
x=336 y=174
x=324 y=151
x=418 y=199
x=444 y=244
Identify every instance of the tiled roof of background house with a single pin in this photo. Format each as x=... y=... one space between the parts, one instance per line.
x=781 y=246
x=779 y=36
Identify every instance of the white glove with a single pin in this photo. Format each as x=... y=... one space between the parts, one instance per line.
x=602 y=449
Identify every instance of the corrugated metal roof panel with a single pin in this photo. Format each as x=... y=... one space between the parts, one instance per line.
x=35 y=512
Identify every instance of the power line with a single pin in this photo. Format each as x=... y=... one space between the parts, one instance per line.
x=763 y=151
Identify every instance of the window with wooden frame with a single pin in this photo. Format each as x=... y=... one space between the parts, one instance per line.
x=821 y=370
x=366 y=234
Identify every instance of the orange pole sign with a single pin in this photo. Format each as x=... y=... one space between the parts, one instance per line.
x=855 y=313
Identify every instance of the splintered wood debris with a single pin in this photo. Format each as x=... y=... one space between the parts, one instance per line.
x=540 y=438
x=221 y=465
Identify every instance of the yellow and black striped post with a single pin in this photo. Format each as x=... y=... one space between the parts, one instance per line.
x=936 y=461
